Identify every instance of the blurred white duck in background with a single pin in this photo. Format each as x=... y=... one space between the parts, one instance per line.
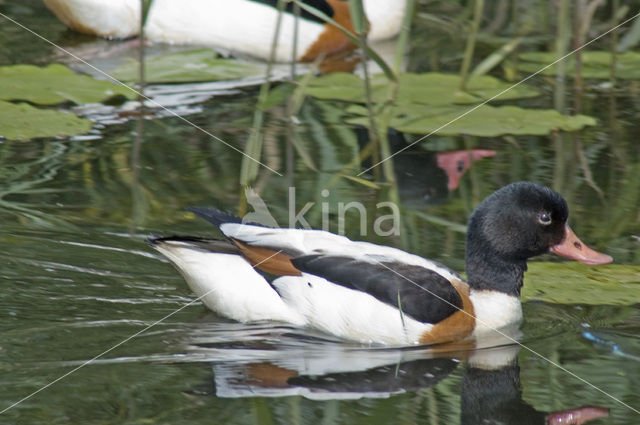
x=239 y=26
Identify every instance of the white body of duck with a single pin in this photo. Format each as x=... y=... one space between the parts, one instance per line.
x=372 y=293
x=305 y=299
x=239 y=26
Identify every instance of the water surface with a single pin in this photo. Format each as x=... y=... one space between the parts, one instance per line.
x=77 y=277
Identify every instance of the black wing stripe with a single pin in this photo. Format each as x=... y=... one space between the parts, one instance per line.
x=387 y=282
x=321 y=5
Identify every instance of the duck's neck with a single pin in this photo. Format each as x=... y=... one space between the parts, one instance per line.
x=487 y=270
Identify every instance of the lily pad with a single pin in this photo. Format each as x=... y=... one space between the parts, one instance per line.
x=23 y=121
x=426 y=89
x=575 y=283
x=54 y=84
x=344 y=86
x=486 y=121
x=187 y=66
x=595 y=64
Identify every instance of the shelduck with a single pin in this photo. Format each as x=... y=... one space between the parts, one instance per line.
x=377 y=294
x=241 y=26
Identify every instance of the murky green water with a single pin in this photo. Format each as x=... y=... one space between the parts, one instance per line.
x=77 y=278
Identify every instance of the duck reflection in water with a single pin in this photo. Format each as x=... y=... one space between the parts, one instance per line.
x=425 y=178
x=490 y=392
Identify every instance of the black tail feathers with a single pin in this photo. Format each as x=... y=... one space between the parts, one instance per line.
x=196 y=243
x=214 y=216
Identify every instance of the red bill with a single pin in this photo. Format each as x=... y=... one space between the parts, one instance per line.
x=572 y=247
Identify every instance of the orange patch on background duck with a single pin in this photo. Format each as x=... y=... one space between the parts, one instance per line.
x=333 y=44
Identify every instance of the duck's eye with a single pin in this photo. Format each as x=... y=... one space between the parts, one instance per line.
x=544 y=219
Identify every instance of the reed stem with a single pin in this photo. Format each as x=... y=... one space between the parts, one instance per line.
x=471 y=44
x=253 y=150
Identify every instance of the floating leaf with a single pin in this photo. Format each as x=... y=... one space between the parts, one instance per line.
x=427 y=89
x=343 y=86
x=187 y=66
x=23 y=122
x=432 y=103
x=54 y=84
x=575 y=283
x=486 y=121
x=595 y=64
x=417 y=87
